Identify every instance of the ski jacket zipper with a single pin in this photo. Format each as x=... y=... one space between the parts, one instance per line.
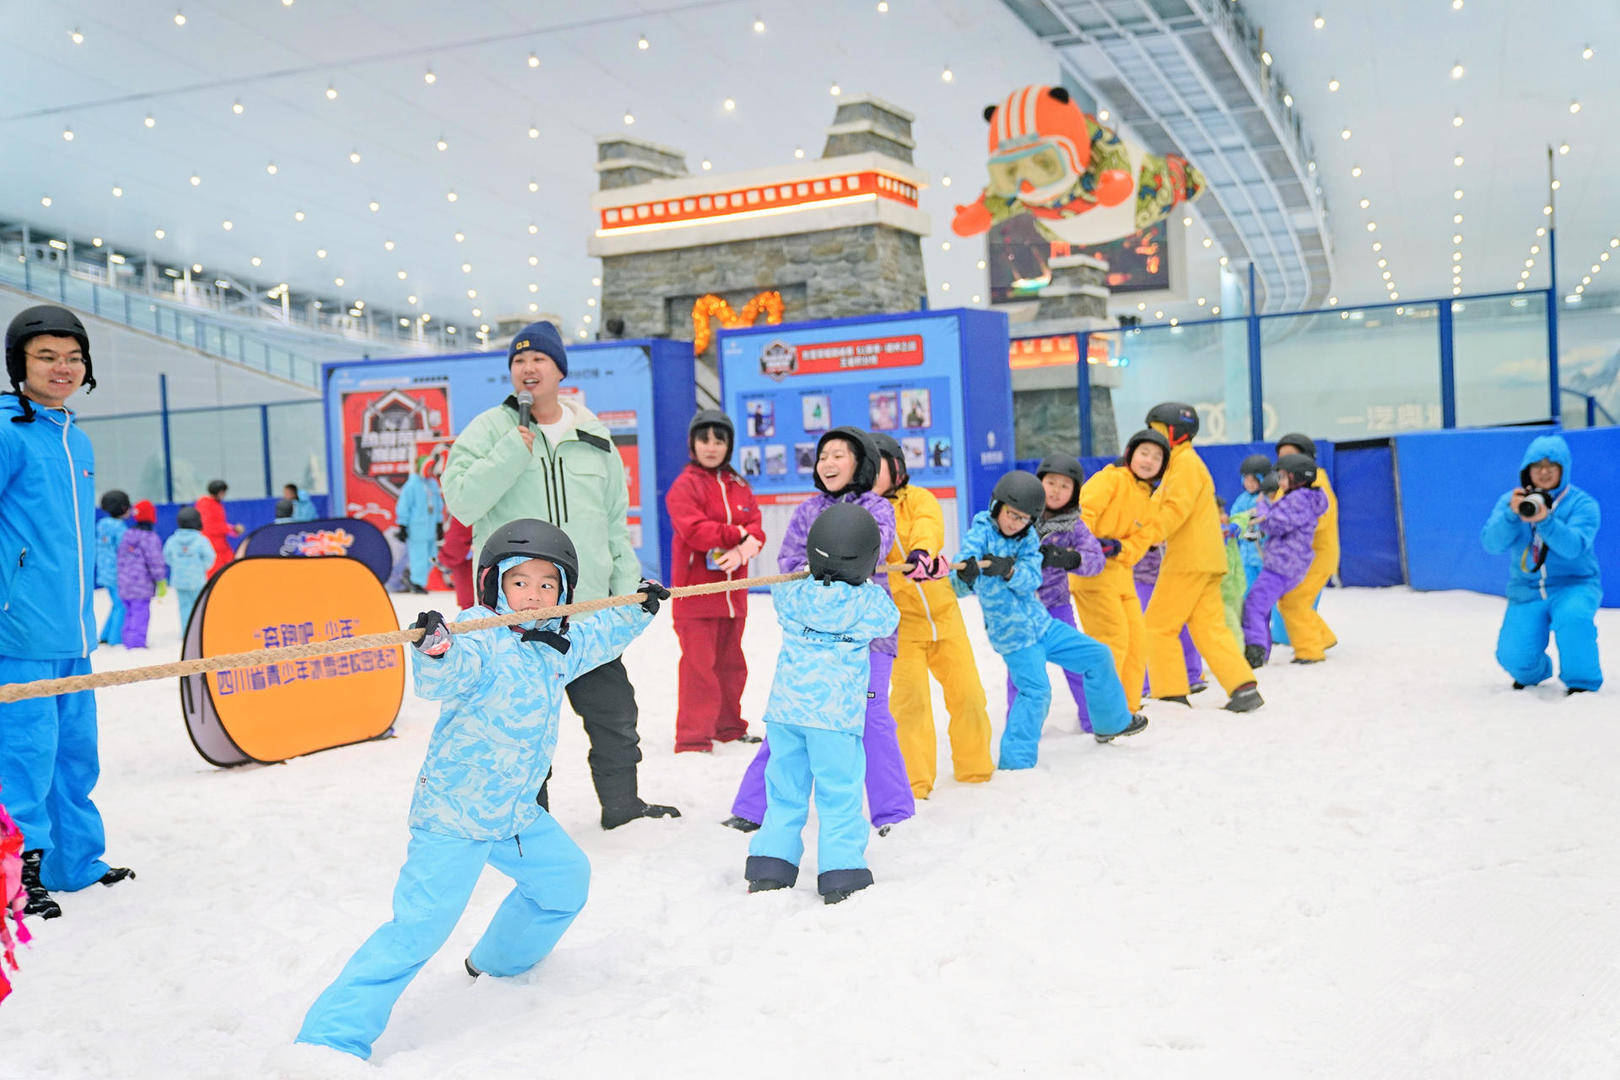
x=78 y=529
x=725 y=501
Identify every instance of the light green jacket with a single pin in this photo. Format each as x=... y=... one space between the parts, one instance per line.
x=577 y=485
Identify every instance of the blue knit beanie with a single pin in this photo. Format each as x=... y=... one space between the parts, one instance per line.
x=540 y=337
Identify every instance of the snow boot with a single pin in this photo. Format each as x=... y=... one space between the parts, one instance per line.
x=1302 y=660
x=1255 y=655
x=474 y=972
x=1245 y=698
x=1179 y=699
x=744 y=738
x=614 y=816
x=1517 y=685
x=836 y=886
x=116 y=874
x=766 y=885
x=1138 y=722
x=39 y=901
x=883 y=830
x=1198 y=687
x=1573 y=690
x=741 y=824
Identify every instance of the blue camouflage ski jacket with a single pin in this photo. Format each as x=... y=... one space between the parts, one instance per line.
x=1014 y=616
x=497 y=729
x=190 y=555
x=1559 y=549
x=47 y=535
x=823 y=669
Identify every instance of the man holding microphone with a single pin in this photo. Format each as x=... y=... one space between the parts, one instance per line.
x=537 y=455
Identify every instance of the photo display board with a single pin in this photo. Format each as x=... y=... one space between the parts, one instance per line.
x=937 y=381
x=380 y=413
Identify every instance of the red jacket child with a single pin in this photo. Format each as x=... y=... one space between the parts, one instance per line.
x=455 y=556
x=215 y=527
x=717 y=531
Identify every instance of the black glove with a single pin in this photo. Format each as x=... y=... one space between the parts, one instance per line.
x=439 y=532
x=656 y=594
x=969 y=573
x=403 y=533
x=435 y=638
x=1110 y=546
x=1001 y=566
x=1061 y=557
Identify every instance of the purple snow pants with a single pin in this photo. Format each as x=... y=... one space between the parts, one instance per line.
x=1063 y=613
x=888 y=789
x=1195 y=663
x=1263 y=595
x=137 y=614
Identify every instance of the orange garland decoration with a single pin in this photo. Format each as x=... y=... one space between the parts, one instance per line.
x=710 y=307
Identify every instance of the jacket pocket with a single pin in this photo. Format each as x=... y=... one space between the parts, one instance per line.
x=16 y=569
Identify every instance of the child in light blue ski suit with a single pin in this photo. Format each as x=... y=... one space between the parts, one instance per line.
x=1253 y=471
x=1025 y=634
x=475 y=798
x=420 y=514
x=1555 y=584
x=109 y=531
x=189 y=555
x=814 y=722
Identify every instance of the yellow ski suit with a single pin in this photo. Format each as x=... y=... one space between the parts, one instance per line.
x=933 y=638
x=1307 y=631
x=1114 y=503
x=1188 y=592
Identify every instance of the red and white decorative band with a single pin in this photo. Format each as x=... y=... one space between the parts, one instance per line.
x=758 y=199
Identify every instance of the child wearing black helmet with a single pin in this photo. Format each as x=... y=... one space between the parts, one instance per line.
x=1289 y=525
x=109 y=531
x=1253 y=472
x=816 y=717
x=1297 y=621
x=189 y=555
x=1067 y=548
x=718 y=531
x=1021 y=630
x=475 y=799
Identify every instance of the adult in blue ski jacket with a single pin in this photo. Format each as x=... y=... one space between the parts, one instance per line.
x=1550 y=527
x=48 y=755
x=420 y=515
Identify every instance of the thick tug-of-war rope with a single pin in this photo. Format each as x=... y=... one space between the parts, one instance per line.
x=10 y=692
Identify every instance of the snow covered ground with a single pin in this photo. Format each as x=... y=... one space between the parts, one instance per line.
x=1398 y=868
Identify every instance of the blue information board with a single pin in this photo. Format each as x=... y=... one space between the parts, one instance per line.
x=937 y=381
x=381 y=413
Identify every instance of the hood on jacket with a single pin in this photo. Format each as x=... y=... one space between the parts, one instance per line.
x=1555 y=450
x=827 y=606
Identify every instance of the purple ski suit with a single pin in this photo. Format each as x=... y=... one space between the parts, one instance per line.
x=1065 y=529
x=888 y=789
x=140 y=568
x=1288 y=527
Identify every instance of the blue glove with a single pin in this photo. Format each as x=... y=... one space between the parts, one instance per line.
x=1110 y=546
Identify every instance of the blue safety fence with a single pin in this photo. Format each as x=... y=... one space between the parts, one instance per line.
x=248 y=513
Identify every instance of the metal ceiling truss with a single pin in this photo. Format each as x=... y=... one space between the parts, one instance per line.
x=1186 y=77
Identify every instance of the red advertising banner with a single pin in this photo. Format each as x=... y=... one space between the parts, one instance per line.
x=382 y=432
x=778 y=359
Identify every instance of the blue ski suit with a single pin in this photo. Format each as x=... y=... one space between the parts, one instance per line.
x=421 y=510
x=109 y=531
x=189 y=555
x=813 y=722
x=1554 y=584
x=1028 y=638
x=475 y=803
x=48 y=757
x=1248 y=549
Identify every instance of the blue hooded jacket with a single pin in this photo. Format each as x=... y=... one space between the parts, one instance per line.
x=1014 y=616
x=47 y=535
x=1563 y=542
x=497 y=729
x=823 y=669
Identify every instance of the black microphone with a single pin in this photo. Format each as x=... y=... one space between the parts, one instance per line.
x=525 y=403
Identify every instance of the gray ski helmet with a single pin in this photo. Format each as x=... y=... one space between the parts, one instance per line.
x=1301 y=443
x=843 y=544
x=1146 y=435
x=44 y=319
x=1268 y=484
x=189 y=517
x=1020 y=490
x=866 y=459
x=526 y=538
x=1181 y=419
x=1255 y=465
x=1063 y=465
x=1299 y=468
x=890 y=450
x=711 y=418
x=115 y=503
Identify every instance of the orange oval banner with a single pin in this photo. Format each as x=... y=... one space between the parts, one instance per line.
x=275 y=710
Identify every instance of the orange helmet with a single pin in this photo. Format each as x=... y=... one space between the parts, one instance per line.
x=1038 y=115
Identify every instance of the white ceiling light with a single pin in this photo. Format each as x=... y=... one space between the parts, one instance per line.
x=150 y=121
x=331 y=92
x=534 y=260
x=1345 y=134
x=1382 y=263
x=466 y=268
x=1265 y=58
x=1378 y=245
x=1288 y=100
x=1319 y=22
x=534 y=185
x=944 y=245
x=707 y=164
x=590 y=301
x=883 y=7
x=118 y=192
x=1355 y=171
x=1458 y=71
x=429 y=78
x=533 y=228
x=1333 y=86
x=1556 y=184
x=1457 y=194
x=798 y=151
x=402 y=275
x=271 y=168
x=450 y=196
x=46 y=201
x=338 y=282
x=642 y=43
x=533 y=287
x=237 y=107
x=1102 y=114
x=76 y=37
x=1457 y=160
x=472 y=294
x=1224 y=260
x=629 y=118
x=534 y=132
x=1456 y=238
x=534 y=61
x=1563 y=148
x=441 y=144
x=945 y=75
x=834 y=89
x=67 y=134
x=195 y=180
x=1457 y=120
x=298 y=215
x=1456 y=219
x=179 y=18
x=320 y=253
x=759 y=26
x=730 y=104
x=256 y=261
x=1208 y=242
x=1372 y=226
x=945 y=181
x=596 y=281
x=1366 y=203
x=534 y=307
x=373 y=206
x=1535 y=249
x=159 y=233
x=354 y=157
x=1586 y=53
x=1574 y=106
x=388 y=245
x=227 y=226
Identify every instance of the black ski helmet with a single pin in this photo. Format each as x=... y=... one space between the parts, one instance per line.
x=890 y=450
x=44 y=319
x=866 y=460
x=1146 y=435
x=1300 y=468
x=284 y=508
x=1063 y=465
x=716 y=419
x=1301 y=443
x=1268 y=484
x=1255 y=465
x=189 y=517
x=525 y=538
x=1021 y=491
x=216 y=488
x=1180 y=419
x=843 y=544
x=115 y=502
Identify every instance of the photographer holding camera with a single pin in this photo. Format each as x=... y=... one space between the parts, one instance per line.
x=1554 y=583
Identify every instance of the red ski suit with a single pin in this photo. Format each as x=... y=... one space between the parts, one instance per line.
x=710 y=509
x=217 y=530
x=455 y=556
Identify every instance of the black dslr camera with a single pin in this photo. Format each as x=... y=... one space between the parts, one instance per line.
x=1535 y=500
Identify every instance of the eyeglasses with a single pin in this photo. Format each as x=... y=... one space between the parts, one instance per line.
x=52 y=358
